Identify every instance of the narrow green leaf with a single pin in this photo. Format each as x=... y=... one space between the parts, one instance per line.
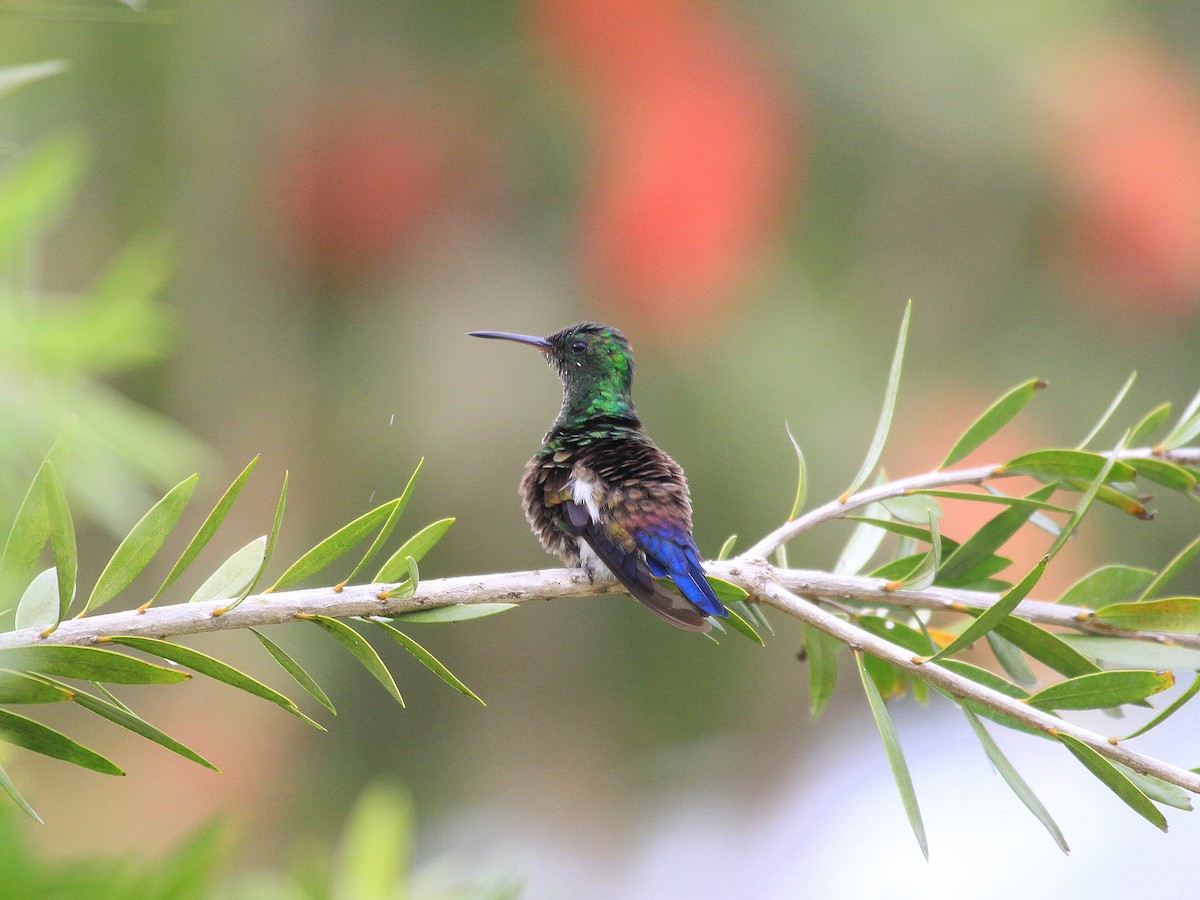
x=992 y=420
x=294 y=669
x=140 y=545
x=923 y=575
x=1116 y=498
x=1011 y=659
x=39 y=738
x=1024 y=502
x=235 y=574
x=38 y=607
x=885 y=416
x=1188 y=427
x=111 y=697
x=1149 y=424
x=898 y=633
x=389 y=526
x=1100 y=690
x=727 y=592
x=1176 y=705
x=1130 y=653
x=913 y=508
x=1112 y=408
x=864 y=541
x=979 y=580
x=272 y=539
x=726 y=548
x=335 y=546
x=904 y=529
x=362 y=651
x=1171 y=569
x=13 y=77
x=821 y=650
x=1045 y=647
x=213 y=668
x=1180 y=614
x=396 y=568
x=1156 y=789
x=1038 y=519
x=455 y=612
x=11 y=790
x=18 y=687
x=985 y=677
x=62 y=540
x=206 y=665
x=1107 y=585
x=740 y=625
x=895 y=755
x=1166 y=473
x=988 y=713
x=426 y=658
x=27 y=535
x=1085 y=502
x=991 y=537
x=87 y=664
x=1014 y=780
x=205 y=532
x=753 y=614
x=994 y=614
x=888 y=680
x=801 y=476
x=139 y=726
x=1115 y=781
x=1064 y=465
x=781 y=557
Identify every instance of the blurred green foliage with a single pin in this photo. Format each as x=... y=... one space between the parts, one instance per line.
x=369 y=860
x=59 y=351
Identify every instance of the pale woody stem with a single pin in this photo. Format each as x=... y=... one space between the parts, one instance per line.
x=936 y=479
x=780 y=588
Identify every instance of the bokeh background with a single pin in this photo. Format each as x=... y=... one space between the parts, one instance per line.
x=751 y=191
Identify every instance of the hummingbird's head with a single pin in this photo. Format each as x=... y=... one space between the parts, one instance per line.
x=595 y=363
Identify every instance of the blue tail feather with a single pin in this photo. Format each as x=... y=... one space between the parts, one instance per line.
x=676 y=556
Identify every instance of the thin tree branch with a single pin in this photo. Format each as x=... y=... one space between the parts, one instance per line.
x=821 y=585
x=286 y=606
x=781 y=598
x=540 y=584
x=763 y=581
x=784 y=589
x=937 y=479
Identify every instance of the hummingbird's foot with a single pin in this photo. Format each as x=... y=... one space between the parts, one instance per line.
x=593 y=567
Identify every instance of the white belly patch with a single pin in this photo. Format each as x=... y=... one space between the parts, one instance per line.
x=583 y=492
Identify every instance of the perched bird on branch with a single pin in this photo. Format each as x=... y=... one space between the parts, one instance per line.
x=600 y=494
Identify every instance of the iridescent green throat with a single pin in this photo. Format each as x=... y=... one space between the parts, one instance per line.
x=600 y=387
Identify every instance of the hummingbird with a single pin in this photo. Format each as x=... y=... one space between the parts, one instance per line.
x=600 y=494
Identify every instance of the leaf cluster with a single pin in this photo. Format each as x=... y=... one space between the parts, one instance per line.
x=1127 y=598
x=44 y=672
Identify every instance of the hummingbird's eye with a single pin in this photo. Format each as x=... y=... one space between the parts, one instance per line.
x=578 y=346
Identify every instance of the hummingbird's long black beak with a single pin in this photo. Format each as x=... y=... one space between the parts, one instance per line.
x=540 y=342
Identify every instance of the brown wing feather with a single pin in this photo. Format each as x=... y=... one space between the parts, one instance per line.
x=636 y=475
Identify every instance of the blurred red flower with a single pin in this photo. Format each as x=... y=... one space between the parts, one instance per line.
x=1125 y=132
x=356 y=180
x=691 y=152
